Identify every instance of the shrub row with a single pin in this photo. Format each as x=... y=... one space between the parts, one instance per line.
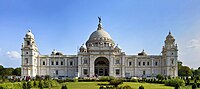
x=174 y=82
x=31 y=84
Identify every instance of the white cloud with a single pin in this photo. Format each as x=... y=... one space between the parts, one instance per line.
x=194 y=43
x=13 y=54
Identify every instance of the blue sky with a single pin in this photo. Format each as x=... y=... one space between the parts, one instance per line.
x=133 y=24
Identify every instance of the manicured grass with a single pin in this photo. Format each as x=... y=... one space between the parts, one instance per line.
x=93 y=85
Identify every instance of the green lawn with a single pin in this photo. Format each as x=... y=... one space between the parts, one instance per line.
x=93 y=85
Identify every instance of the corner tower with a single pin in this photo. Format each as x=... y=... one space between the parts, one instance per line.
x=29 y=54
x=170 y=56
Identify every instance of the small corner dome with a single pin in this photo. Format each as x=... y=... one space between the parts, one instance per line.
x=82 y=47
x=117 y=47
x=54 y=52
x=29 y=34
x=143 y=53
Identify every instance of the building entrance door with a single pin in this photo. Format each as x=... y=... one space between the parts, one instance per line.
x=101 y=66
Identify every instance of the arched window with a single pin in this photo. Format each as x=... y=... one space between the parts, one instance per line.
x=43 y=63
x=156 y=63
x=28 y=42
x=26 y=60
x=143 y=63
x=61 y=63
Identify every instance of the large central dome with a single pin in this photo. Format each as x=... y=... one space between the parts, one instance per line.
x=100 y=37
x=100 y=33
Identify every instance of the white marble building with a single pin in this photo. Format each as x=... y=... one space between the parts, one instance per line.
x=98 y=57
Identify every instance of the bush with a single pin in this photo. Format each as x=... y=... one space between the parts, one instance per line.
x=194 y=86
x=106 y=78
x=141 y=87
x=17 y=85
x=134 y=80
x=64 y=87
x=47 y=84
x=102 y=87
x=116 y=82
x=37 y=77
x=41 y=84
x=173 y=82
x=24 y=85
x=54 y=83
x=176 y=86
x=159 y=77
x=29 y=86
x=69 y=80
x=47 y=77
x=198 y=85
x=34 y=84
x=126 y=87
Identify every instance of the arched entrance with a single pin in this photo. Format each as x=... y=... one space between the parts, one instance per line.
x=101 y=66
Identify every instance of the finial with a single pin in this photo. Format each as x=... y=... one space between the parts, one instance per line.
x=99 y=25
x=99 y=19
x=169 y=32
x=29 y=30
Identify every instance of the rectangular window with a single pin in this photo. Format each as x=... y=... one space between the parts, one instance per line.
x=117 y=71
x=139 y=63
x=61 y=63
x=147 y=63
x=85 y=71
x=56 y=72
x=85 y=62
x=130 y=63
x=143 y=63
x=156 y=63
x=117 y=61
x=71 y=63
x=43 y=63
x=144 y=73
x=52 y=63
x=56 y=62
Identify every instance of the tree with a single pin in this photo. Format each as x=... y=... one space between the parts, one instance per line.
x=159 y=77
x=141 y=87
x=7 y=71
x=184 y=71
x=116 y=82
x=1 y=67
x=29 y=85
x=17 y=72
x=64 y=87
x=196 y=72
x=179 y=65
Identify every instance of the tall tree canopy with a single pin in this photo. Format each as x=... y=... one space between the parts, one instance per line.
x=185 y=71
